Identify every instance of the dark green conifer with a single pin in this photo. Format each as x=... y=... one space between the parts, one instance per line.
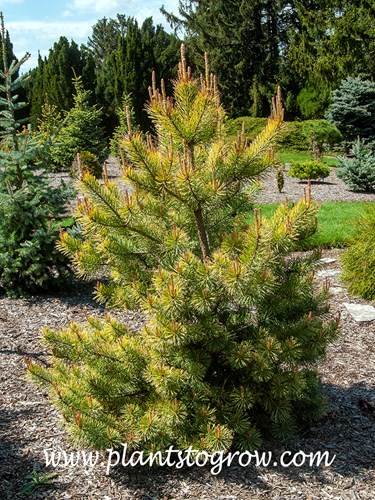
x=30 y=208
x=81 y=131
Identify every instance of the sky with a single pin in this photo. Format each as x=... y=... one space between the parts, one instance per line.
x=35 y=25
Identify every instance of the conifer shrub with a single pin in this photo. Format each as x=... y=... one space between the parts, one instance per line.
x=233 y=323
x=359 y=259
x=296 y=135
x=353 y=110
x=280 y=180
x=358 y=170
x=87 y=162
x=81 y=131
x=312 y=101
x=308 y=170
x=31 y=209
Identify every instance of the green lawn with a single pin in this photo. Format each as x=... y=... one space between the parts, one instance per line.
x=336 y=223
x=290 y=155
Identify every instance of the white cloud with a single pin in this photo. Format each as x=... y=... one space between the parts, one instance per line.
x=45 y=30
x=32 y=36
x=107 y=8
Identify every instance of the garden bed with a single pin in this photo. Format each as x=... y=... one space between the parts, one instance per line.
x=331 y=189
x=29 y=424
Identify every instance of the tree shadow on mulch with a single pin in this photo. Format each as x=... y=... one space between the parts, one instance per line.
x=74 y=292
x=314 y=182
x=346 y=433
x=15 y=464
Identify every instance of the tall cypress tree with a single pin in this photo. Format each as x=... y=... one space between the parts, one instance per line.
x=54 y=75
x=126 y=69
x=37 y=94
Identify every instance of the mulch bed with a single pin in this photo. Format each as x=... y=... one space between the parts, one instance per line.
x=29 y=424
x=330 y=189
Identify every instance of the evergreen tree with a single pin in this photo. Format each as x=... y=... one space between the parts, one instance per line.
x=81 y=131
x=59 y=72
x=166 y=52
x=243 y=40
x=233 y=323
x=328 y=42
x=307 y=46
x=103 y=41
x=30 y=208
x=353 y=110
x=358 y=171
x=37 y=94
x=107 y=86
x=127 y=68
x=54 y=77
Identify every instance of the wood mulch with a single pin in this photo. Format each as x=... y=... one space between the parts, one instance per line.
x=29 y=424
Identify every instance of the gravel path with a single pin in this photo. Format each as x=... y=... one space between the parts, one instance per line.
x=331 y=189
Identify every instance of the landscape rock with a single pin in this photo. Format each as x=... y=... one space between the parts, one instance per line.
x=328 y=273
x=327 y=260
x=361 y=312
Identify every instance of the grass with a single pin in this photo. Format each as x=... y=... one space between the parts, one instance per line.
x=336 y=223
x=288 y=155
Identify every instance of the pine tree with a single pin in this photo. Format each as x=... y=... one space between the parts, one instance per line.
x=233 y=323
x=30 y=208
x=124 y=112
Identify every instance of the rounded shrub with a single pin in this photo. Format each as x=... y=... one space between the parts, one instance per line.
x=295 y=135
x=299 y=135
x=87 y=162
x=308 y=170
x=359 y=258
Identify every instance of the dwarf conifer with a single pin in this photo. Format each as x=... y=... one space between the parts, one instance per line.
x=233 y=324
x=31 y=208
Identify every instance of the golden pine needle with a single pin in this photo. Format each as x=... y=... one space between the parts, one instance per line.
x=207 y=69
x=128 y=120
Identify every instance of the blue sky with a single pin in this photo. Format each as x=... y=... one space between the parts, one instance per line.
x=36 y=24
